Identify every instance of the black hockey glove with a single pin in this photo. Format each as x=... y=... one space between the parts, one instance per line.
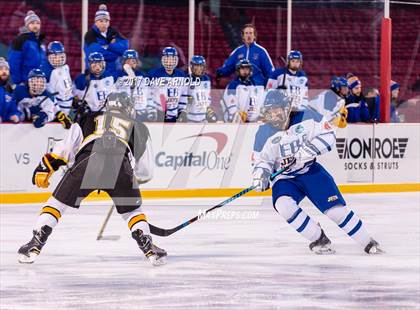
x=64 y=119
x=182 y=117
x=211 y=116
x=42 y=173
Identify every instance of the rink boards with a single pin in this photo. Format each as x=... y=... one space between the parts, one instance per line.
x=197 y=160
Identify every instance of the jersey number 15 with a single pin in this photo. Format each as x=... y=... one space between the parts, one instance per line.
x=120 y=127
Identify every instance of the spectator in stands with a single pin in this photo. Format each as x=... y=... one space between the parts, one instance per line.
x=8 y=108
x=262 y=66
x=373 y=102
x=104 y=39
x=372 y=99
x=395 y=91
x=356 y=104
x=244 y=96
x=26 y=51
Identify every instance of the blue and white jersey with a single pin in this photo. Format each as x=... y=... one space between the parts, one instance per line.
x=140 y=93
x=167 y=91
x=308 y=136
x=30 y=105
x=98 y=89
x=295 y=84
x=328 y=104
x=59 y=81
x=198 y=99
x=244 y=98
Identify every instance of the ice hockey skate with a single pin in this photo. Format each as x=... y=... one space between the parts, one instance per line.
x=30 y=251
x=322 y=246
x=154 y=254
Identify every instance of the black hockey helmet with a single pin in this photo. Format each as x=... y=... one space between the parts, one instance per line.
x=120 y=102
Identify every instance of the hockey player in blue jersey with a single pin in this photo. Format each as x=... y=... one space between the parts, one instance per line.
x=92 y=87
x=244 y=96
x=166 y=93
x=104 y=39
x=331 y=103
x=145 y=107
x=292 y=79
x=58 y=76
x=262 y=66
x=198 y=98
x=292 y=141
x=8 y=108
x=35 y=103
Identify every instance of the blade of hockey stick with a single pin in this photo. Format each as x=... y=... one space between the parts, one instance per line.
x=167 y=232
x=110 y=238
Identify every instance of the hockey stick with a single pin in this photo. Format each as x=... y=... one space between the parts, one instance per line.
x=131 y=74
x=167 y=232
x=77 y=105
x=87 y=77
x=101 y=230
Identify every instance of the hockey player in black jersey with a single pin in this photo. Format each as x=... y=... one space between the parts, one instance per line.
x=107 y=151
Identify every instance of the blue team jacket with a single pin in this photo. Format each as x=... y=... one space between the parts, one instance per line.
x=25 y=53
x=256 y=54
x=95 y=42
x=357 y=108
x=8 y=105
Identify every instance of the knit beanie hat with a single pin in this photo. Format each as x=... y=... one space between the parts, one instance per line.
x=353 y=82
x=102 y=13
x=4 y=63
x=394 y=85
x=31 y=17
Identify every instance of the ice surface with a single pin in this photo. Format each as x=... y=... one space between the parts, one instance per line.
x=217 y=263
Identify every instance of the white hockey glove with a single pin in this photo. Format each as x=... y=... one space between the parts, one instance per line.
x=261 y=179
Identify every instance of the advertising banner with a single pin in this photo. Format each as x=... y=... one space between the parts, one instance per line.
x=200 y=156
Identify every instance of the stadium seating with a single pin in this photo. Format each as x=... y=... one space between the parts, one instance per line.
x=332 y=40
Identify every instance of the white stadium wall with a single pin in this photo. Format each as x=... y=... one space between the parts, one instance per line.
x=214 y=159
